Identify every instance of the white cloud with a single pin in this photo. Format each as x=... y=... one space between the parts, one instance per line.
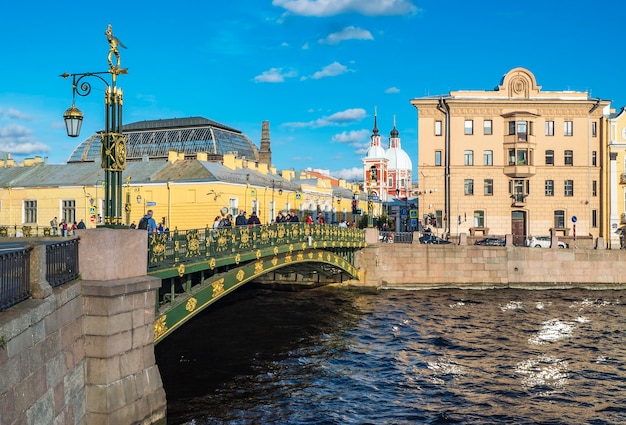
x=348 y=174
x=338 y=118
x=353 y=136
x=331 y=70
x=392 y=90
x=274 y=75
x=348 y=33
x=320 y=8
x=18 y=139
x=305 y=46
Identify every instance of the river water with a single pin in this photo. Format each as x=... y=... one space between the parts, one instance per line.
x=329 y=356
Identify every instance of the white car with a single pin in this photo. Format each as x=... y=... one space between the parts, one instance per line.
x=543 y=242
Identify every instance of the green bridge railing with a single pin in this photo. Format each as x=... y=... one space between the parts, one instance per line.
x=182 y=251
x=200 y=266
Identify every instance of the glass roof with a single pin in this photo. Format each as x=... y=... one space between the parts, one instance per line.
x=154 y=139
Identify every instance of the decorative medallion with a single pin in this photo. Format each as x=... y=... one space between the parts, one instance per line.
x=218 y=288
x=287 y=259
x=300 y=256
x=290 y=248
x=240 y=275
x=191 y=304
x=160 y=326
x=181 y=270
x=237 y=258
x=258 y=254
x=274 y=261
x=275 y=250
x=212 y=263
x=258 y=267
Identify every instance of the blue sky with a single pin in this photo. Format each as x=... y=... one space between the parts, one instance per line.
x=316 y=69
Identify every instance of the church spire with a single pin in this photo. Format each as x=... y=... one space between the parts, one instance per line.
x=375 y=129
x=394 y=133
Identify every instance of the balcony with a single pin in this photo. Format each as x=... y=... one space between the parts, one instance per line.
x=519 y=200
x=520 y=171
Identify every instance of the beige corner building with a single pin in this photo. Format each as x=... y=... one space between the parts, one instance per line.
x=513 y=160
x=615 y=174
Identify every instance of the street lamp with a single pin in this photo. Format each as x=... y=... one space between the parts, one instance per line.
x=113 y=142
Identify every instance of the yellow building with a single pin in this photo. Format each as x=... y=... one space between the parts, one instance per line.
x=513 y=160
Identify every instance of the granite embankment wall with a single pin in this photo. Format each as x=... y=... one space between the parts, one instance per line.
x=83 y=353
x=474 y=267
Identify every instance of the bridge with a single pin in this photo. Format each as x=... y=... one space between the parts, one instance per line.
x=200 y=266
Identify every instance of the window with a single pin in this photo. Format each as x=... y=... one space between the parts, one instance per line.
x=511 y=128
x=390 y=182
x=559 y=219
x=594 y=218
x=30 y=211
x=568 y=128
x=569 y=188
x=594 y=188
x=469 y=127
x=439 y=218
x=479 y=218
x=511 y=156
x=549 y=187
x=487 y=127
x=488 y=157
x=438 y=128
x=594 y=159
x=594 y=129
x=549 y=157
x=468 y=158
x=569 y=157
x=469 y=186
x=489 y=187
x=519 y=189
x=522 y=157
x=522 y=131
x=68 y=213
x=549 y=128
x=438 y=158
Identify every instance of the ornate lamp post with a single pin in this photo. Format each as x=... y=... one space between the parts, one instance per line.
x=113 y=142
x=370 y=195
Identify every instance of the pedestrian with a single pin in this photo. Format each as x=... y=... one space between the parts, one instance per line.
x=81 y=224
x=133 y=225
x=253 y=220
x=160 y=228
x=63 y=227
x=241 y=219
x=294 y=218
x=216 y=222
x=54 y=223
x=309 y=219
x=74 y=227
x=148 y=223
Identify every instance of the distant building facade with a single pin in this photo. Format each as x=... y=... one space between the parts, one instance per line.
x=513 y=160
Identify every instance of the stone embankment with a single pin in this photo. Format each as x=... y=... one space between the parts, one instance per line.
x=418 y=266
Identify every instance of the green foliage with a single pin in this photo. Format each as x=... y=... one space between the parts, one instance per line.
x=2 y=341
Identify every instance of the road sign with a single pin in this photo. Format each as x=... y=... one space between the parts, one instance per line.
x=298 y=195
x=151 y=204
x=574 y=219
x=404 y=211
x=92 y=218
x=413 y=214
x=92 y=211
x=253 y=192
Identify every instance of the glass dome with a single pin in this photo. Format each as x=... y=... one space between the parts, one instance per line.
x=156 y=138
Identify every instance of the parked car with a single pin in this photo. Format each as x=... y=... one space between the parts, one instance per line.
x=429 y=238
x=491 y=242
x=543 y=242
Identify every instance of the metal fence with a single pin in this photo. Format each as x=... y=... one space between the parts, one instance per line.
x=14 y=277
x=62 y=262
x=395 y=237
x=26 y=231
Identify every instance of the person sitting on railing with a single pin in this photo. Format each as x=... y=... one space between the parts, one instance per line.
x=294 y=218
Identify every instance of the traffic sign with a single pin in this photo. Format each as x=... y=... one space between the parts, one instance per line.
x=151 y=204
x=298 y=195
x=574 y=219
x=92 y=218
x=92 y=211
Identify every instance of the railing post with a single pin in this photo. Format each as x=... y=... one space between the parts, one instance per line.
x=39 y=286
